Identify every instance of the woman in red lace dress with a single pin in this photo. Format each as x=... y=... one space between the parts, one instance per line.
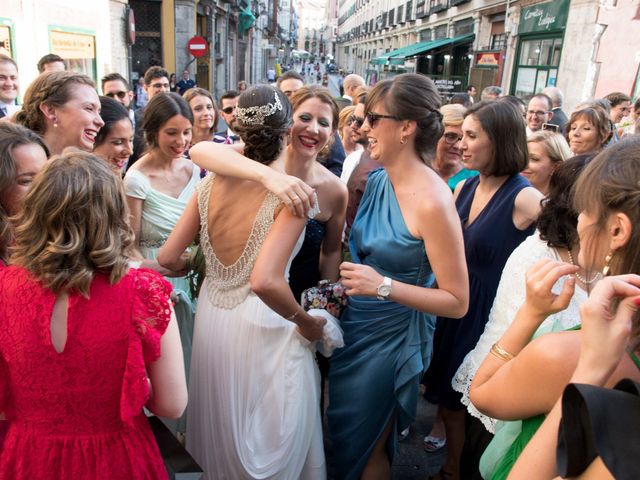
x=85 y=341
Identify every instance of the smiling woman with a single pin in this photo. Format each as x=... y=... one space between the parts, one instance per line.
x=64 y=108
x=205 y=114
x=158 y=187
x=114 y=142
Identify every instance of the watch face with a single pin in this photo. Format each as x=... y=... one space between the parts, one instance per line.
x=384 y=290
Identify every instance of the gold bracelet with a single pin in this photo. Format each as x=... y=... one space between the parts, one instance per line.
x=499 y=352
x=293 y=315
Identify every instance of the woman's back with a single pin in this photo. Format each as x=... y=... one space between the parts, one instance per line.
x=78 y=413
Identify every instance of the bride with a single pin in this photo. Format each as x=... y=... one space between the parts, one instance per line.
x=254 y=385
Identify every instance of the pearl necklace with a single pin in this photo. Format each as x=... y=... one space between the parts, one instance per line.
x=580 y=277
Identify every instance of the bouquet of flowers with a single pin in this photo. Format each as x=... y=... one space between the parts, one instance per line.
x=327 y=296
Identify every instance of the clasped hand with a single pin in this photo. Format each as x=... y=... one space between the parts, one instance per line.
x=296 y=195
x=360 y=279
x=540 y=279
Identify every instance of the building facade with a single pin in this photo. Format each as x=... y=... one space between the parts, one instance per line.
x=246 y=38
x=522 y=45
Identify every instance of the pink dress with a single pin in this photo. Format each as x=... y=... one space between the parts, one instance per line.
x=78 y=414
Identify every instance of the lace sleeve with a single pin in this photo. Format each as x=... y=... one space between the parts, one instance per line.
x=509 y=298
x=150 y=315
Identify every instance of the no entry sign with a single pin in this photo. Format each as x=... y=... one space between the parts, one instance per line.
x=197 y=46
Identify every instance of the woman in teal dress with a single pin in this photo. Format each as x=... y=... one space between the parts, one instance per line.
x=406 y=235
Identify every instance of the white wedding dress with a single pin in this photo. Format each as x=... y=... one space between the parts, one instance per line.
x=254 y=386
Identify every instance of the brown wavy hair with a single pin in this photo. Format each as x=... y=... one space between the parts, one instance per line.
x=51 y=88
x=73 y=224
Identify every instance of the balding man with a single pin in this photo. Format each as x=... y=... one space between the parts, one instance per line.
x=351 y=84
x=559 y=118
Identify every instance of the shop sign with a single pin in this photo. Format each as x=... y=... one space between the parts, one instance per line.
x=5 y=40
x=447 y=86
x=544 y=17
x=488 y=59
x=73 y=45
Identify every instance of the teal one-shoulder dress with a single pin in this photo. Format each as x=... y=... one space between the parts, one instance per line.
x=375 y=377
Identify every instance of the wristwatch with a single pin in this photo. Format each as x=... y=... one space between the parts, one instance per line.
x=384 y=289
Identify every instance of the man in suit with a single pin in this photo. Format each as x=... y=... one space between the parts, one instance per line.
x=559 y=118
x=9 y=86
x=228 y=104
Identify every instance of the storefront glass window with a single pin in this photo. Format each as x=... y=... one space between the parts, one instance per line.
x=530 y=52
x=537 y=69
x=77 y=49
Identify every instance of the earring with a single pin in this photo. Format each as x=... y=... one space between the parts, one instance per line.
x=55 y=123
x=607 y=264
x=403 y=140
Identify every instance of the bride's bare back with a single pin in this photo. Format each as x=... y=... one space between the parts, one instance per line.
x=233 y=206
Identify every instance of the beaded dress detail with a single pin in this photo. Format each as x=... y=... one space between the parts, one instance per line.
x=228 y=285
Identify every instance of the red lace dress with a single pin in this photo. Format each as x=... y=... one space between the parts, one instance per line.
x=78 y=414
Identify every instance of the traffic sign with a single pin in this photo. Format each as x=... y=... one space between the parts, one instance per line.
x=197 y=46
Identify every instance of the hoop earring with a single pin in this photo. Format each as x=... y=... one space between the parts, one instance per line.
x=607 y=264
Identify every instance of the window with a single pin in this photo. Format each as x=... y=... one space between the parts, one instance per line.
x=538 y=62
x=77 y=49
x=391 y=13
x=437 y=6
x=409 y=11
x=400 y=11
x=421 y=11
x=499 y=42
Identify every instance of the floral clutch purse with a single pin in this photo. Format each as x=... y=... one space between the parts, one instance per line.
x=325 y=296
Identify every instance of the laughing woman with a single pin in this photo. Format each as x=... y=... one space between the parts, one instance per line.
x=405 y=237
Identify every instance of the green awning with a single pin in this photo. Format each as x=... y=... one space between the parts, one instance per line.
x=398 y=57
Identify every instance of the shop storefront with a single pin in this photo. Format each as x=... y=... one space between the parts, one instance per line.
x=7 y=42
x=76 y=47
x=540 y=39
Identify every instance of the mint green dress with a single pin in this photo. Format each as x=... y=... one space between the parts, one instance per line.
x=160 y=213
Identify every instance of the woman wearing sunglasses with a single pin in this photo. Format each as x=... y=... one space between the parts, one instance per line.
x=448 y=160
x=405 y=236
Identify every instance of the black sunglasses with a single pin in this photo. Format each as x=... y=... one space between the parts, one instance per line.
x=357 y=121
x=228 y=110
x=120 y=95
x=373 y=118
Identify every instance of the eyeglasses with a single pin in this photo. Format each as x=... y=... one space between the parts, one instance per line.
x=356 y=121
x=451 y=138
x=373 y=118
x=537 y=113
x=120 y=95
x=228 y=110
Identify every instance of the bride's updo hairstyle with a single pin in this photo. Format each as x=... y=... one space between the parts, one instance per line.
x=264 y=118
x=411 y=96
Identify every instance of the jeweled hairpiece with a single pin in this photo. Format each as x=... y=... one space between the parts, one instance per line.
x=256 y=115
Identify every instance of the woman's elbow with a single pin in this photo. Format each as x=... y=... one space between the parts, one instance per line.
x=172 y=407
x=262 y=285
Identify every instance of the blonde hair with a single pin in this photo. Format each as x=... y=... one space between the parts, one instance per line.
x=73 y=224
x=50 y=88
x=343 y=117
x=554 y=144
x=453 y=114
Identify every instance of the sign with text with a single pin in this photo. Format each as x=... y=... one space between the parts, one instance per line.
x=73 y=45
x=544 y=17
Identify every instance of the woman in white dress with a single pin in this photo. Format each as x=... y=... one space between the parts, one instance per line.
x=254 y=384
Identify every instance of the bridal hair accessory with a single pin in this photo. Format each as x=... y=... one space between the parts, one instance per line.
x=256 y=115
